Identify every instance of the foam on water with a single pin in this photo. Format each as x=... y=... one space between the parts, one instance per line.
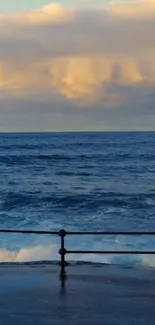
x=50 y=253
x=80 y=182
x=32 y=254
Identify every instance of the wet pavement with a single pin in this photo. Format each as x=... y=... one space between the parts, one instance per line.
x=94 y=295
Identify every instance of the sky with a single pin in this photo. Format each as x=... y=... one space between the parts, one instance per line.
x=80 y=65
x=26 y=5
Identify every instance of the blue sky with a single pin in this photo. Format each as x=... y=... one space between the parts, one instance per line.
x=23 y=5
x=20 y=5
x=67 y=69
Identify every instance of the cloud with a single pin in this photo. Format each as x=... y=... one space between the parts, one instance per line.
x=140 y=9
x=83 y=56
x=52 y=13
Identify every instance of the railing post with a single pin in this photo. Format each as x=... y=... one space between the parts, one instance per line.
x=62 y=252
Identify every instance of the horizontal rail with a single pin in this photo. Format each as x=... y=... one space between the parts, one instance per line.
x=110 y=252
x=112 y=233
x=73 y=233
x=63 y=251
x=38 y=232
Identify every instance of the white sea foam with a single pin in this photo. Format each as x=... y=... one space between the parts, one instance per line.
x=36 y=253
x=50 y=253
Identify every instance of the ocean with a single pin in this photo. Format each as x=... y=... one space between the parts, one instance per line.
x=82 y=182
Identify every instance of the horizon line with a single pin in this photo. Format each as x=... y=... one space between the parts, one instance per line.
x=84 y=131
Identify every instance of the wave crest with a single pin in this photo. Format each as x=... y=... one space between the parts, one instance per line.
x=49 y=253
x=36 y=253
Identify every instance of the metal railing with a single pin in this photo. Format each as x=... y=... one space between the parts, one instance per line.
x=63 y=251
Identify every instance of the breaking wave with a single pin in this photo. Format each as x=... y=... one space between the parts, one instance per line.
x=32 y=254
x=85 y=182
x=49 y=253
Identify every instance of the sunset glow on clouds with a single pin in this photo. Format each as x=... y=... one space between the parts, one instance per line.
x=89 y=58
x=140 y=9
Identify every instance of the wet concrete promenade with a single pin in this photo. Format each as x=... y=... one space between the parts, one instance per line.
x=92 y=295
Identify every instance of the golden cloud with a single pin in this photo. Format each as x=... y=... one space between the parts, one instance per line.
x=140 y=9
x=77 y=77
x=52 y=13
x=67 y=63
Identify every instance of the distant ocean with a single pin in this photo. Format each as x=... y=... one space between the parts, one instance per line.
x=78 y=181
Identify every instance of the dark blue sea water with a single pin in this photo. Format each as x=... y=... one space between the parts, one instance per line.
x=79 y=181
